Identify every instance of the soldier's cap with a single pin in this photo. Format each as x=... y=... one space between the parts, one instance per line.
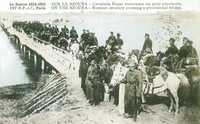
x=111 y=32
x=146 y=34
x=172 y=40
x=185 y=38
x=118 y=34
x=189 y=41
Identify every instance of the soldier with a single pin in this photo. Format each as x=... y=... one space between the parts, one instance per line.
x=172 y=49
x=83 y=40
x=147 y=45
x=83 y=36
x=171 y=55
x=88 y=83
x=65 y=29
x=117 y=43
x=111 y=40
x=64 y=32
x=92 y=41
x=73 y=34
x=93 y=77
x=83 y=72
x=87 y=34
x=133 y=90
x=55 y=30
x=188 y=53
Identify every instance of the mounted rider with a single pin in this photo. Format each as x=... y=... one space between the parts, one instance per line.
x=171 y=55
x=117 y=44
x=189 y=59
x=188 y=53
x=147 y=47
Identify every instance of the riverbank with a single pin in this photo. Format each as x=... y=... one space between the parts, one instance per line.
x=74 y=109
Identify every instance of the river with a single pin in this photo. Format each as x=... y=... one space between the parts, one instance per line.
x=12 y=69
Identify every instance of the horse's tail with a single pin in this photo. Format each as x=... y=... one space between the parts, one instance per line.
x=184 y=80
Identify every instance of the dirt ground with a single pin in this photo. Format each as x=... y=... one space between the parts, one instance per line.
x=74 y=109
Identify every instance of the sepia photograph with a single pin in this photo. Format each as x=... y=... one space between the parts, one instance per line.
x=100 y=68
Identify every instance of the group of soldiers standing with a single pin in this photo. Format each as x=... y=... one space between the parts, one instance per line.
x=95 y=70
x=97 y=66
x=93 y=82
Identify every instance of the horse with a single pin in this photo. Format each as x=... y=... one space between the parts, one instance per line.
x=171 y=82
x=166 y=81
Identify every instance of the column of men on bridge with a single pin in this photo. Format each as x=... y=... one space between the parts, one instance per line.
x=62 y=38
x=98 y=63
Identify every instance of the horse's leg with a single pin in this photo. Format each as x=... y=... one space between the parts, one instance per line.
x=142 y=97
x=177 y=103
x=171 y=102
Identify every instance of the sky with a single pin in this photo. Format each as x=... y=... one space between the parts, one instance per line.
x=132 y=27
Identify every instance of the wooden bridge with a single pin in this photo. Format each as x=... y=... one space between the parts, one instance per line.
x=43 y=55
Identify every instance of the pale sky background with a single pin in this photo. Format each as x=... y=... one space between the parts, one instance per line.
x=132 y=27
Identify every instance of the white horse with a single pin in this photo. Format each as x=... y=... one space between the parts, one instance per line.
x=171 y=82
x=165 y=81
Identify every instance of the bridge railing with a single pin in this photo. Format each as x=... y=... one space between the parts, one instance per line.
x=48 y=43
x=40 y=41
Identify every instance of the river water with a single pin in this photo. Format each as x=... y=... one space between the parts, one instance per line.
x=12 y=70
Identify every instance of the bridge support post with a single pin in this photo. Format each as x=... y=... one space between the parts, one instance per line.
x=47 y=67
x=38 y=63
x=31 y=58
x=26 y=53
x=17 y=41
x=23 y=50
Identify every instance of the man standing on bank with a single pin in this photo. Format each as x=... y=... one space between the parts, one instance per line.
x=133 y=90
